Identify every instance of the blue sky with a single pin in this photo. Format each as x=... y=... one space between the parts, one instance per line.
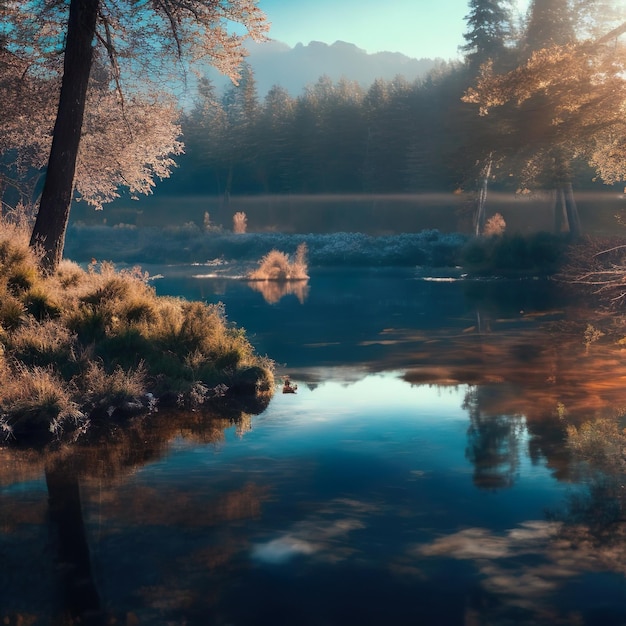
x=417 y=28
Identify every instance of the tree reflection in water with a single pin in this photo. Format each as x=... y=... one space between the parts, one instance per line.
x=81 y=476
x=598 y=447
x=81 y=600
x=168 y=551
x=493 y=443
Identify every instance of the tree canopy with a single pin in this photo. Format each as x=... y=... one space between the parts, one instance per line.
x=96 y=77
x=489 y=31
x=574 y=95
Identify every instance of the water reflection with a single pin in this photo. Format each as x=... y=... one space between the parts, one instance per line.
x=66 y=484
x=273 y=291
x=493 y=444
x=425 y=472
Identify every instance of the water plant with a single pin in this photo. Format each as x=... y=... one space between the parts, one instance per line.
x=277 y=266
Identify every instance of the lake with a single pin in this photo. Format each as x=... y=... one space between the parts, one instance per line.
x=419 y=475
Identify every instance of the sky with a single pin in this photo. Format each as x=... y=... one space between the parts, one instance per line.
x=417 y=28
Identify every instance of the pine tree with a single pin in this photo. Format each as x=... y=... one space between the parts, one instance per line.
x=489 y=31
x=241 y=105
x=550 y=22
x=205 y=133
x=276 y=158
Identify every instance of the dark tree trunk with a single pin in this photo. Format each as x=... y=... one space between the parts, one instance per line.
x=566 y=217
x=81 y=601
x=561 y=223
x=572 y=211
x=56 y=197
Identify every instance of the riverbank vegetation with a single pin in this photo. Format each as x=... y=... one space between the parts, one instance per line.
x=536 y=253
x=84 y=344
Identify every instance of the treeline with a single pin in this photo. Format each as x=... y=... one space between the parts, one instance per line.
x=395 y=136
x=336 y=137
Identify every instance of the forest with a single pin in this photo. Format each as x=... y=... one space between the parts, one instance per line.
x=446 y=132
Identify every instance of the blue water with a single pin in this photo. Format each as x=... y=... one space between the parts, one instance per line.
x=360 y=499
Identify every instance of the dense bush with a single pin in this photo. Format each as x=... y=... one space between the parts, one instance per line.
x=505 y=254
x=151 y=245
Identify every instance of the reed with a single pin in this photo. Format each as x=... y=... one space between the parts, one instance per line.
x=277 y=266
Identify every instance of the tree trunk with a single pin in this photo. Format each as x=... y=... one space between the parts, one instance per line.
x=479 y=222
x=561 y=223
x=566 y=218
x=56 y=197
x=572 y=211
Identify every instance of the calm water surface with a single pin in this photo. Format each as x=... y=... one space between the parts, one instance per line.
x=418 y=476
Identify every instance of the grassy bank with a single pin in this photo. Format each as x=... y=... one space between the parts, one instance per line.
x=98 y=344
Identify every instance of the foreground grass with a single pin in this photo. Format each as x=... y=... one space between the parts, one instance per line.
x=96 y=344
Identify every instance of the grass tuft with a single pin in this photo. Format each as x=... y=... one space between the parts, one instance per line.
x=113 y=388
x=277 y=266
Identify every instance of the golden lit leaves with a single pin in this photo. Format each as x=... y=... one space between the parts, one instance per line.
x=564 y=102
x=144 y=49
x=125 y=144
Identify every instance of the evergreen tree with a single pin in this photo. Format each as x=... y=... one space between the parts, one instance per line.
x=344 y=138
x=241 y=104
x=489 y=31
x=276 y=156
x=375 y=103
x=549 y=23
x=205 y=131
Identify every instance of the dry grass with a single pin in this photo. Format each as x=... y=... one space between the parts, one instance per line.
x=495 y=226
x=37 y=400
x=41 y=343
x=277 y=266
x=112 y=388
x=81 y=339
x=240 y=222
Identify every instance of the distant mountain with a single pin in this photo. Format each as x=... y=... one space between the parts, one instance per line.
x=274 y=63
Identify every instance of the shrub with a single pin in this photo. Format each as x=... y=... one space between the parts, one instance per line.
x=495 y=226
x=276 y=265
x=240 y=222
